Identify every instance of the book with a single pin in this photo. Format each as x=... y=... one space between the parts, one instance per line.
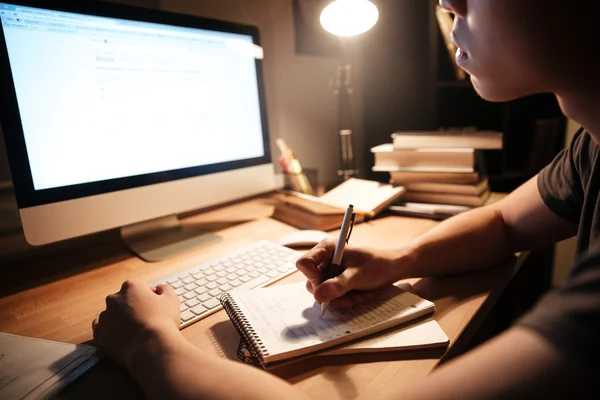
x=447 y=198
x=33 y=368
x=281 y=324
x=403 y=177
x=304 y=211
x=485 y=140
x=456 y=188
x=294 y=214
x=427 y=210
x=387 y=157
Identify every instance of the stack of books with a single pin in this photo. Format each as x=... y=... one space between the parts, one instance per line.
x=326 y=212
x=440 y=170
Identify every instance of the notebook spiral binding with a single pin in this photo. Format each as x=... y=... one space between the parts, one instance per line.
x=251 y=349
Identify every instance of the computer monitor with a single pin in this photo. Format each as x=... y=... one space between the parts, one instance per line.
x=116 y=116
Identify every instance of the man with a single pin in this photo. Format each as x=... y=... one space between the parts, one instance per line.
x=511 y=48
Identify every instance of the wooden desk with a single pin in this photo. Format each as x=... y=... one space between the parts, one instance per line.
x=69 y=291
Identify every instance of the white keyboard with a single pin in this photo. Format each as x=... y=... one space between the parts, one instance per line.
x=199 y=287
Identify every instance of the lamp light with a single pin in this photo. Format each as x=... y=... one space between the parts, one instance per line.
x=345 y=18
x=349 y=17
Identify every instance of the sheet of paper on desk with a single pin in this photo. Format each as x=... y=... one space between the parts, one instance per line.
x=33 y=368
x=421 y=335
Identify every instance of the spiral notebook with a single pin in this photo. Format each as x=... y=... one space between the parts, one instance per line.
x=280 y=324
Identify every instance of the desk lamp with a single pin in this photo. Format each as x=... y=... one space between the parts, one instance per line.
x=345 y=18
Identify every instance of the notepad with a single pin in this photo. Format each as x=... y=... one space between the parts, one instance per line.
x=283 y=323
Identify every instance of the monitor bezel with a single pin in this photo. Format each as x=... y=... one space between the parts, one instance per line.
x=12 y=128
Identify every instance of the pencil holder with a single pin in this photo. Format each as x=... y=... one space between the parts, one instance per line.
x=301 y=182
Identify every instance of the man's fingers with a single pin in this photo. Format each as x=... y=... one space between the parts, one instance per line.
x=94 y=323
x=309 y=263
x=165 y=289
x=335 y=287
x=309 y=287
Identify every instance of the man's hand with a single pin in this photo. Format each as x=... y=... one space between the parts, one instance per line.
x=364 y=270
x=134 y=313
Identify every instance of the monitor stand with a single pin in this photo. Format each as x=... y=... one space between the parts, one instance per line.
x=162 y=238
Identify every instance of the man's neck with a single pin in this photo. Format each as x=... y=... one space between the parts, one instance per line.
x=583 y=108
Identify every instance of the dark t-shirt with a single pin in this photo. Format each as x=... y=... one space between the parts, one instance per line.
x=570 y=316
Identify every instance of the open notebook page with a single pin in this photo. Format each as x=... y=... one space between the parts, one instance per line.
x=288 y=322
x=365 y=195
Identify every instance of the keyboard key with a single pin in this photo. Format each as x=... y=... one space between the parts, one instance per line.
x=189 y=295
x=187 y=315
x=183 y=307
x=204 y=297
x=177 y=284
x=199 y=309
x=188 y=280
x=222 y=281
x=179 y=291
x=212 y=303
x=190 y=287
x=201 y=289
x=226 y=287
x=201 y=282
x=212 y=285
x=235 y=282
x=192 y=303
x=212 y=278
x=273 y=274
x=215 y=292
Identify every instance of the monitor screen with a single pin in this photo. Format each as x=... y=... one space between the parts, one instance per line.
x=100 y=98
x=118 y=98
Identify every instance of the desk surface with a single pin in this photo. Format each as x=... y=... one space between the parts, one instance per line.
x=70 y=289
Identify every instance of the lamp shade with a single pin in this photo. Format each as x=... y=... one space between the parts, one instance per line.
x=349 y=17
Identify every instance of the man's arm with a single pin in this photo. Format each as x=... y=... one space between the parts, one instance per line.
x=140 y=330
x=518 y=364
x=484 y=236
x=167 y=366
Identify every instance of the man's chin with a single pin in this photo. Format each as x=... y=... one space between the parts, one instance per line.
x=495 y=92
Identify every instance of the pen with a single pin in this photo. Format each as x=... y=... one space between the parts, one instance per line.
x=335 y=268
